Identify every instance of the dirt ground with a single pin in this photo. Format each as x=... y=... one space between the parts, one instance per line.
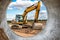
x=28 y=32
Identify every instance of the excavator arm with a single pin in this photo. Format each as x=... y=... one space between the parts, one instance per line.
x=33 y=7
x=37 y=11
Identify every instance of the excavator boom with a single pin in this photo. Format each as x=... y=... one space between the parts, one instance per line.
x=28 y=9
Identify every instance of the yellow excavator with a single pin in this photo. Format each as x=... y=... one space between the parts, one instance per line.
x=22 y=19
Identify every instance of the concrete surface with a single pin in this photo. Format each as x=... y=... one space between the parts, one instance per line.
x=2 y=35
x=52 y=30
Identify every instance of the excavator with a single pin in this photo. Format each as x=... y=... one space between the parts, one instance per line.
x=22 y=19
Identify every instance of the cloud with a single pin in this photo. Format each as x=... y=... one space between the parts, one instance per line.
x=43 y=11
x=10 y=16
x=9 y=8
x=43 y=15
x=21 y=3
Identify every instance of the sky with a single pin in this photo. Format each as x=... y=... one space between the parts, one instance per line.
x=18 y=7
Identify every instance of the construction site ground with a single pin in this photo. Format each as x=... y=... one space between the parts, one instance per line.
x=28 y=32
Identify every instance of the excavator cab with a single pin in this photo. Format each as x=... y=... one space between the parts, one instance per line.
x=19 y=19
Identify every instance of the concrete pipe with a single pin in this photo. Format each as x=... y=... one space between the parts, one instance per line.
x=52 y=30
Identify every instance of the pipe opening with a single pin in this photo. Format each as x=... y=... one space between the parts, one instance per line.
x=15 y=19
